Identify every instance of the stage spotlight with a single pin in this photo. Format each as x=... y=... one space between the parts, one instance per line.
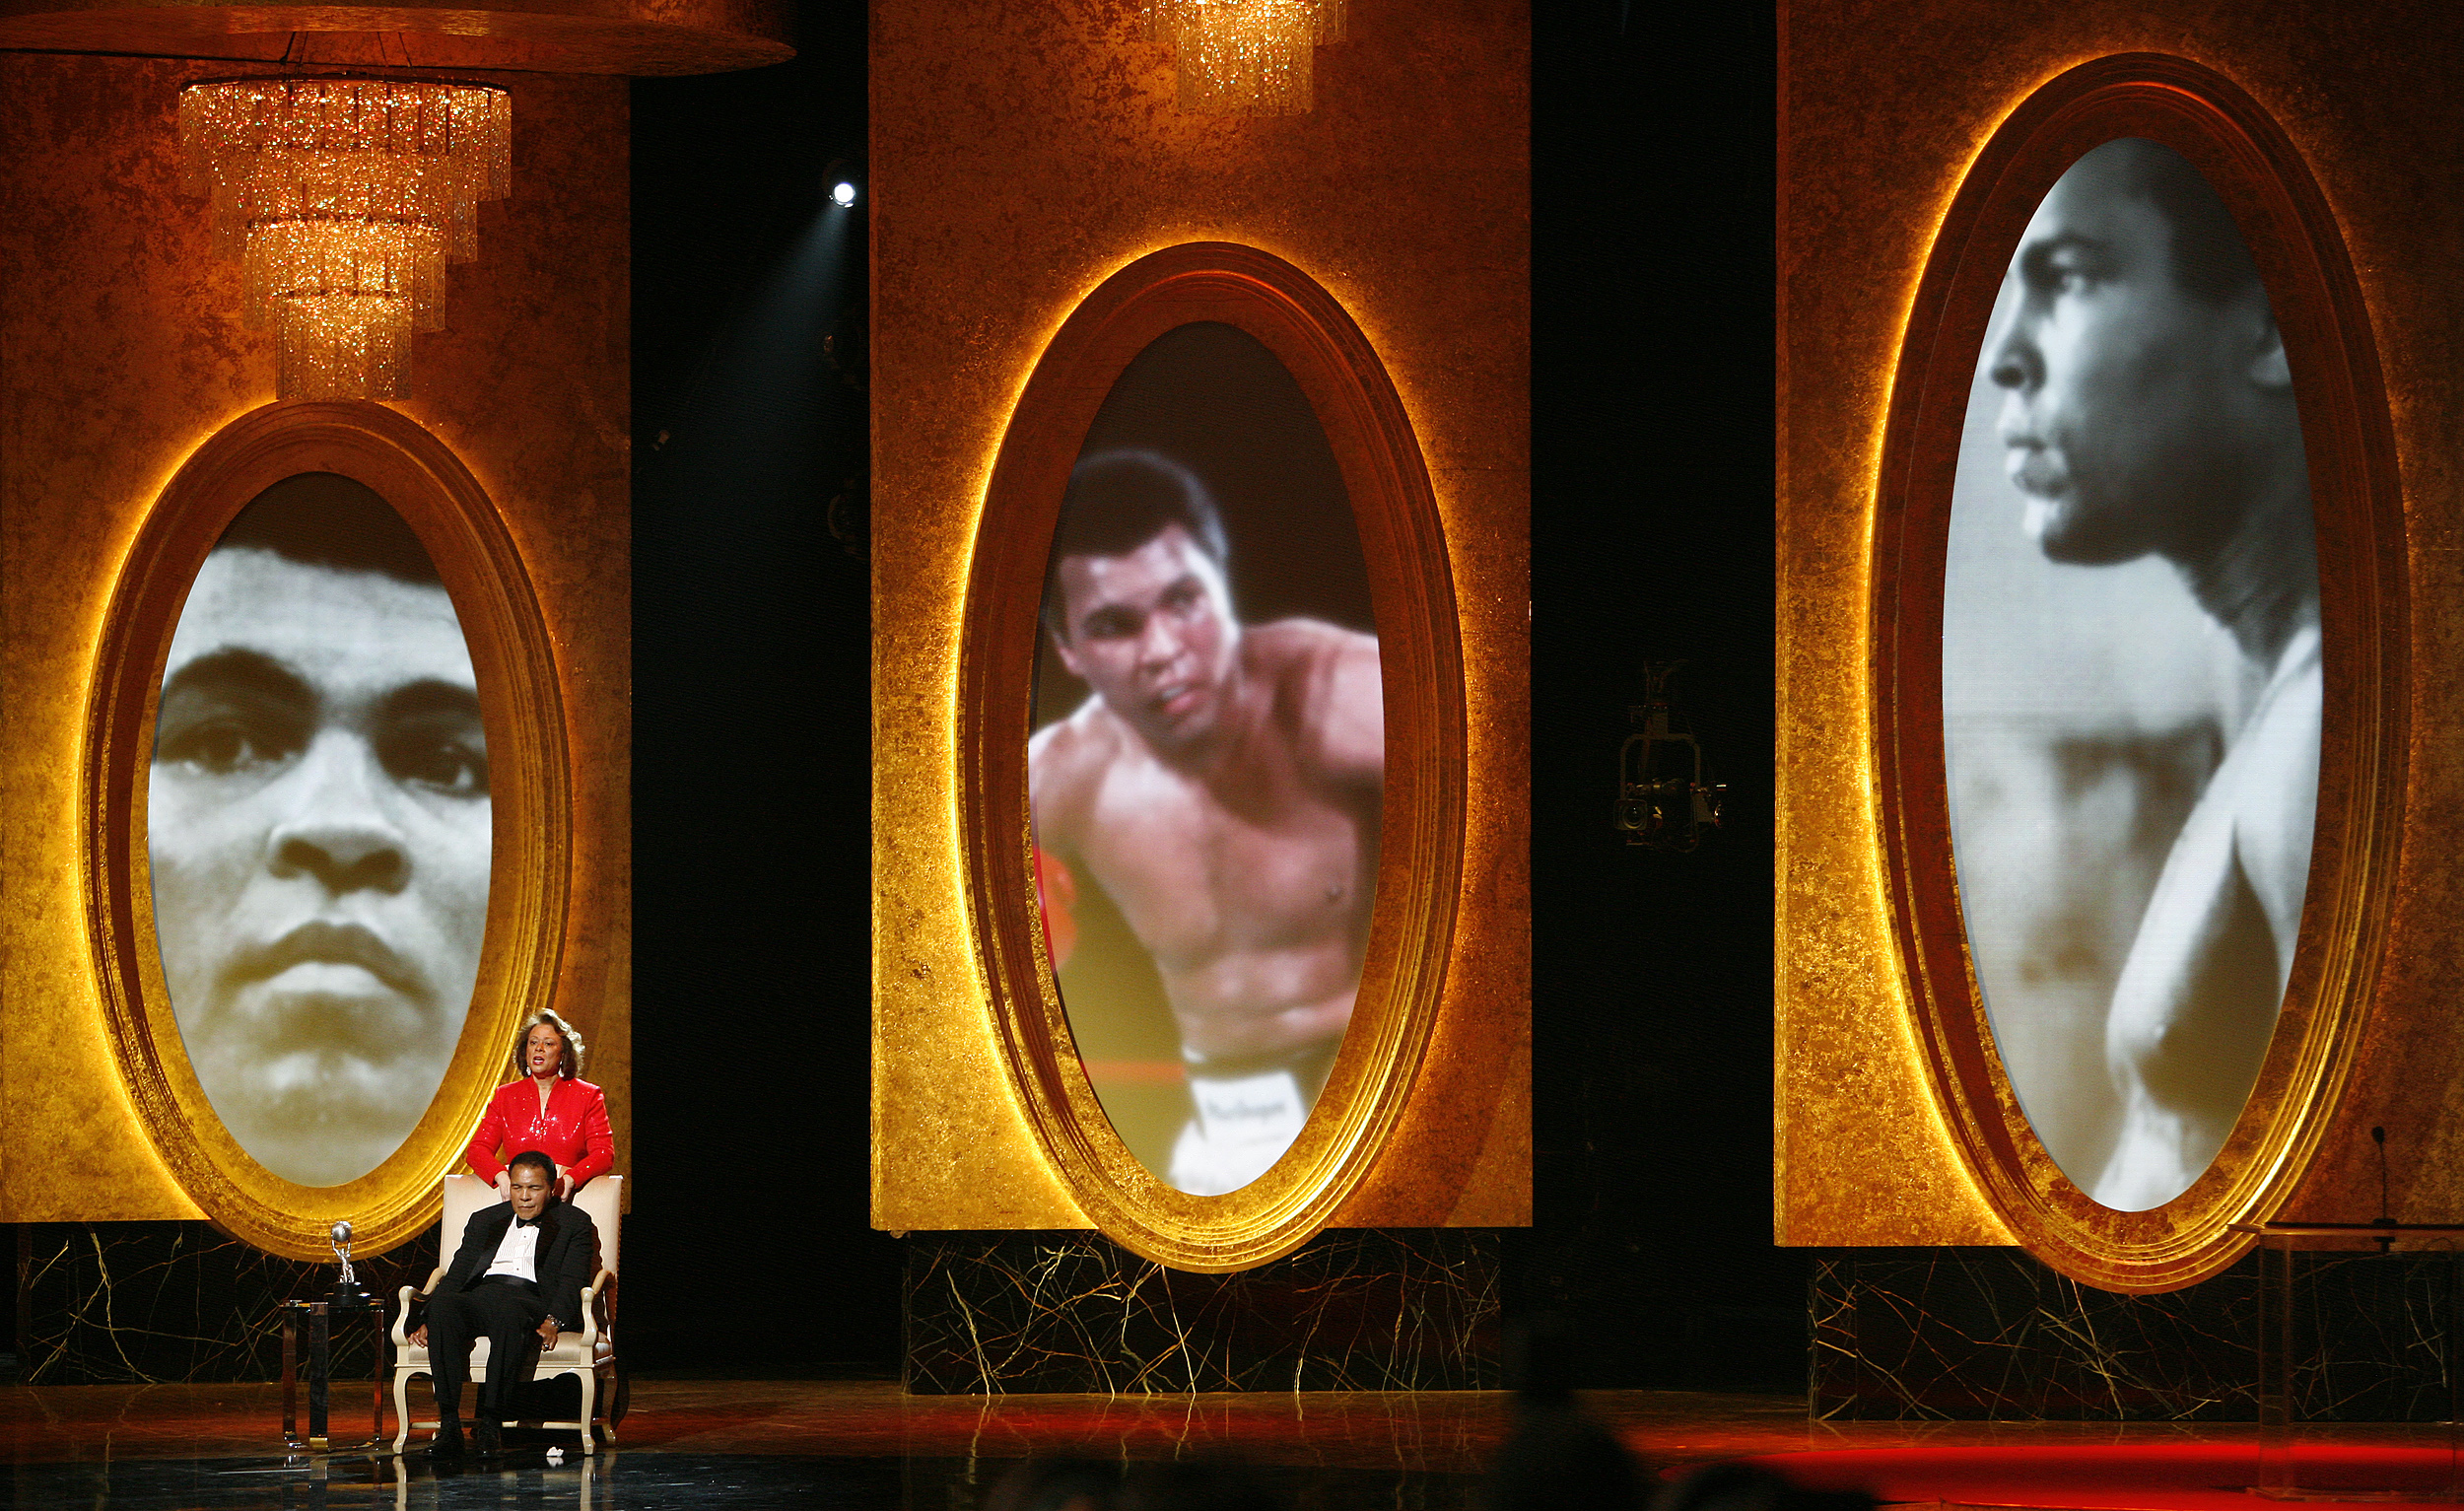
x=843 y=194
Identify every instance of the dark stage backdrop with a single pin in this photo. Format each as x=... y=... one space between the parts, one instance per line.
x=1652 y=540
x=1653 y=151
x=752 y=726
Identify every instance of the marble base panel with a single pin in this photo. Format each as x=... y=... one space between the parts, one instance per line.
x=1355 y=1310
x=1991 y=1333
x=147 y=1302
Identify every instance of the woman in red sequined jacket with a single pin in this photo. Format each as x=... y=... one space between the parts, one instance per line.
x=548 y=1108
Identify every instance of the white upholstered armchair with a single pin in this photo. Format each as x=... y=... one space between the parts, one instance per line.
x=590 y=1354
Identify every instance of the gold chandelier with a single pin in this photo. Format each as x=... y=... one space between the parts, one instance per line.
x=1244 y=58
x=343 y=199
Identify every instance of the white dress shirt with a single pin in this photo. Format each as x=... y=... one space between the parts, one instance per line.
x=519 y=1255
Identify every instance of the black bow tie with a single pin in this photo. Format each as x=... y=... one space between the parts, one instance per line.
x=525 y=1222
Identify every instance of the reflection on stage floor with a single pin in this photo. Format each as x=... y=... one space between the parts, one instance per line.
x=750 y=1444
x=718 y=1443
x=622 y=1480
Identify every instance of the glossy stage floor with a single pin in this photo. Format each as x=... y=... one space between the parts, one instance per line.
x=828 y=1444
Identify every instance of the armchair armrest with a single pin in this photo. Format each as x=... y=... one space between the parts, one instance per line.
x=402 y=1313
x=590 y=1311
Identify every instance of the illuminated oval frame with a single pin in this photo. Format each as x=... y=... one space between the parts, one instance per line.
x=1420 y=859
x=2342 y=402
x=530 y=852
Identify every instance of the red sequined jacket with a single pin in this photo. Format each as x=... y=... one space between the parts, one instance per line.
x=572 y=1130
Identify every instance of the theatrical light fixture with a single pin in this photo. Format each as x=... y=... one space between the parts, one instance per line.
x=1663 y=801
x=843 y=194
x=1244 y=58
x=344 y=198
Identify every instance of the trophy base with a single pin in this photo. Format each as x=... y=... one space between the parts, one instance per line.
x=348 y=1294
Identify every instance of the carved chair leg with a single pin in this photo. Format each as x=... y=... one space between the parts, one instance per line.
x=401 y=1411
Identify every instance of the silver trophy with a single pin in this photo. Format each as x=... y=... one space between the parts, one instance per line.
x=346 y=1291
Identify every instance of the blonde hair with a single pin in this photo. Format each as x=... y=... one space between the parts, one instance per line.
x=568 y=1065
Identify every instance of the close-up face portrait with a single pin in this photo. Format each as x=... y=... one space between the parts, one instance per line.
x=319 y=826
x=543 y=1050
x=2138 y=359
x=1152 y=632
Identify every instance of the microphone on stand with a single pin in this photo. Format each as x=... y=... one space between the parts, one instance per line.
x=2385 y=1219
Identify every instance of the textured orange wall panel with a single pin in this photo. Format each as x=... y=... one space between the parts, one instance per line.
x=1021 y=154
x=121 y=349
x=1882 y=110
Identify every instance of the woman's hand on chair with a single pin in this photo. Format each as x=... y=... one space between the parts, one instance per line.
x=417 y=1335
x=504 y=1185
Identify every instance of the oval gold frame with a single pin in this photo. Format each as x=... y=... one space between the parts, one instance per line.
x=1420 y=862
x=530 y=858
x=2354 y=485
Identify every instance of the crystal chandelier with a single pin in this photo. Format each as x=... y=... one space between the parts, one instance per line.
x=1244 y=58
x=343 y=200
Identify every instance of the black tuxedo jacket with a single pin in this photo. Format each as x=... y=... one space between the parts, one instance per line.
x=569 y=1245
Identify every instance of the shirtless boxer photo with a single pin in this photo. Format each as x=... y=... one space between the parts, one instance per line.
x=2132 y=673
x=1220 y=783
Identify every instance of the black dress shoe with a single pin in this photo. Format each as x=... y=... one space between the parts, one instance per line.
x=448 y=1440
x=487 y=1437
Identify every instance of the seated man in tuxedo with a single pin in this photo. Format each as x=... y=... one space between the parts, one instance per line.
x=516 y=1278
